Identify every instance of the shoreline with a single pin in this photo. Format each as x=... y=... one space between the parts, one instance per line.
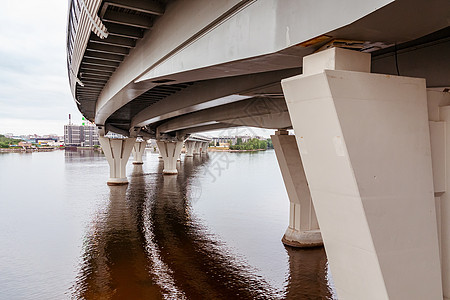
x=228 y=150
x=18 y=150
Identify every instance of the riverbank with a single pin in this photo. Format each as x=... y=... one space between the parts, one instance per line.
x=19 y=150
x=213 y=149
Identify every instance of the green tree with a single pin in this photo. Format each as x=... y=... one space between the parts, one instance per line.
x=8 y=141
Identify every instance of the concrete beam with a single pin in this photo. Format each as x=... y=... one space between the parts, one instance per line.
x=96 y=68
x=113 y=40
x=128 y=19
x=205 y=128
x=95 y=73
x=208 y=94
x=107 y=49
x=100 y=62
x=103 y=56
x=148 y=6
x=226 y=113
x=93 y=78
x=124 y=31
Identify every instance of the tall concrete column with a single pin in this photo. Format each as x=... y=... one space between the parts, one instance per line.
x=117 y=153
x=170 y=151
x=204 y=147
x=365 y=146
x=439 y=116
x=303 y=229
x=138 y=152
x=189 y=148
x=197 y=147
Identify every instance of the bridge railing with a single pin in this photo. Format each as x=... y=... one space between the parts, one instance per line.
x=82 y=19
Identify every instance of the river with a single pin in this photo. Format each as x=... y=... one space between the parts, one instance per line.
x=211 y=232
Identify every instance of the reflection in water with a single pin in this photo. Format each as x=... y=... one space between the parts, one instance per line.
x=75 y=155
x=201 y=266
x=149 y=244
x=308 y=272
x=115 y=262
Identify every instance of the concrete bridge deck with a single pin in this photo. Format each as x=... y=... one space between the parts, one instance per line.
x=363 y=84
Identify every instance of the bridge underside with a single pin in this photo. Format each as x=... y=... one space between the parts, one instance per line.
x=370 y=153
x=400 y=37
x=257 y=99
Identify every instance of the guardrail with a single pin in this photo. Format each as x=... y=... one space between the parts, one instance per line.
x=82 y=19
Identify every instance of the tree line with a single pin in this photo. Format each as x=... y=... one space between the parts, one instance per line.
x=252 y=144
x=5 y=142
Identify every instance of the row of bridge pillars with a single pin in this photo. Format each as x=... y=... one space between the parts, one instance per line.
x=369 y=164
x=195 y=148
x=117 y=153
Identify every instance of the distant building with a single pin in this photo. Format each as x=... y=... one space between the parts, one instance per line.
x=81 y=136
x=45 y=141
x=25 y=144
x=227 y=140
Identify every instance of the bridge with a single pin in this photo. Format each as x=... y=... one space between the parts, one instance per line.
x=364 y=85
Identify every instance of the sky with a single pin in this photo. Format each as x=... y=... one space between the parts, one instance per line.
x=35 y=96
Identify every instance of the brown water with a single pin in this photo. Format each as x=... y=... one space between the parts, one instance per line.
x=211 y=232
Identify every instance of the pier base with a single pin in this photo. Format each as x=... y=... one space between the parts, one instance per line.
x=303 y=230
x=138 y=152
x=364 y=141
x=170 y=151
x=117 y=153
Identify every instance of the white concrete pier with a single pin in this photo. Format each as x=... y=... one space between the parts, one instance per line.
x=138 y=152
x=364 y=142
x=189 y=145
x=303 y=229
x=117 y=153
x=197 y=148
x=439 y=116
x=170 y=151
x=204 y=147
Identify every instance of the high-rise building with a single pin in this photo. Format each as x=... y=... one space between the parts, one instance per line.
x=82 y=136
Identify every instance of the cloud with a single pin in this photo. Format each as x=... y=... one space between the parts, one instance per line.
x=34 y=87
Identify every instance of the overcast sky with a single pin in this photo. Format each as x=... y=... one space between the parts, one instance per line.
x=34 y=90
x=35 y=97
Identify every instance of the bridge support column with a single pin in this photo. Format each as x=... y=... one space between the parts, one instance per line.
x=189 y=148
x=365 y=146
x=439 y=116
x=117 y=153
x=303 y=230
x=204 y=147
x=197 y=147
x=159 y=154
x=138 y=152
x=170 y=151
